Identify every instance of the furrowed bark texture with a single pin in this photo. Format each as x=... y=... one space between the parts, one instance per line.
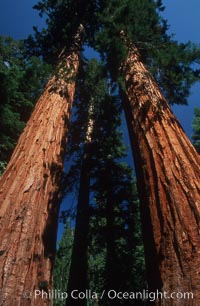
x=30 y=193
x=168 y=175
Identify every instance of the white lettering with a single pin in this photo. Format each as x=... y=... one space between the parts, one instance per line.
x=74 y=296
x=112 y=294
x=37 y=293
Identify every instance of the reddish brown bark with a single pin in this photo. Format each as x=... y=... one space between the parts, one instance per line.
x=30 y=193
x=168 y=175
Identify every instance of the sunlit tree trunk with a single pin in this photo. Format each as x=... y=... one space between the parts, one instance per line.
x=168 y=176
x=30 y=192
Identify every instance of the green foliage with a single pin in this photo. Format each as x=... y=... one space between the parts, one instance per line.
x=122 y=253
x=174 y=69
x=62 y=261
x=21 y=82
x=170 y=62
x=2 y=167
x=62 y=21
x=138 y=19
x=196 y=128
x=88 y=84
x=115 y=235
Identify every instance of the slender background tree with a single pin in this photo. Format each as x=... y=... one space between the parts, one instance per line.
x=111 y=237
x=63 y=261
x=196 y=128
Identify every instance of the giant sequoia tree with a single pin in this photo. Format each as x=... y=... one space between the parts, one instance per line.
x=30 y=188
x=168 y=172
x=166 y=162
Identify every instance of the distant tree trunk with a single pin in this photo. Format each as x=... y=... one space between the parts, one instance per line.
x=78 y=275
x=30 y=192
x=78 y=279
x=111 y=280
x=168 y=176
x=111 y=267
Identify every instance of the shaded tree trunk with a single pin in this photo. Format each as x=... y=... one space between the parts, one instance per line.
x=168 y=176
x=30 y=192
x=78 y=279
x=78 y=275
x=111 y=266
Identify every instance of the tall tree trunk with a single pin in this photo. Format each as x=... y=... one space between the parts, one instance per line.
x=78 y=275
x=78 y=279
x=168 y=176
x=111 y=266
x=30 y=192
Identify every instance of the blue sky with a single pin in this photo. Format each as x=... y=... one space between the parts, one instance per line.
x=184 y=18
x=17 y=19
